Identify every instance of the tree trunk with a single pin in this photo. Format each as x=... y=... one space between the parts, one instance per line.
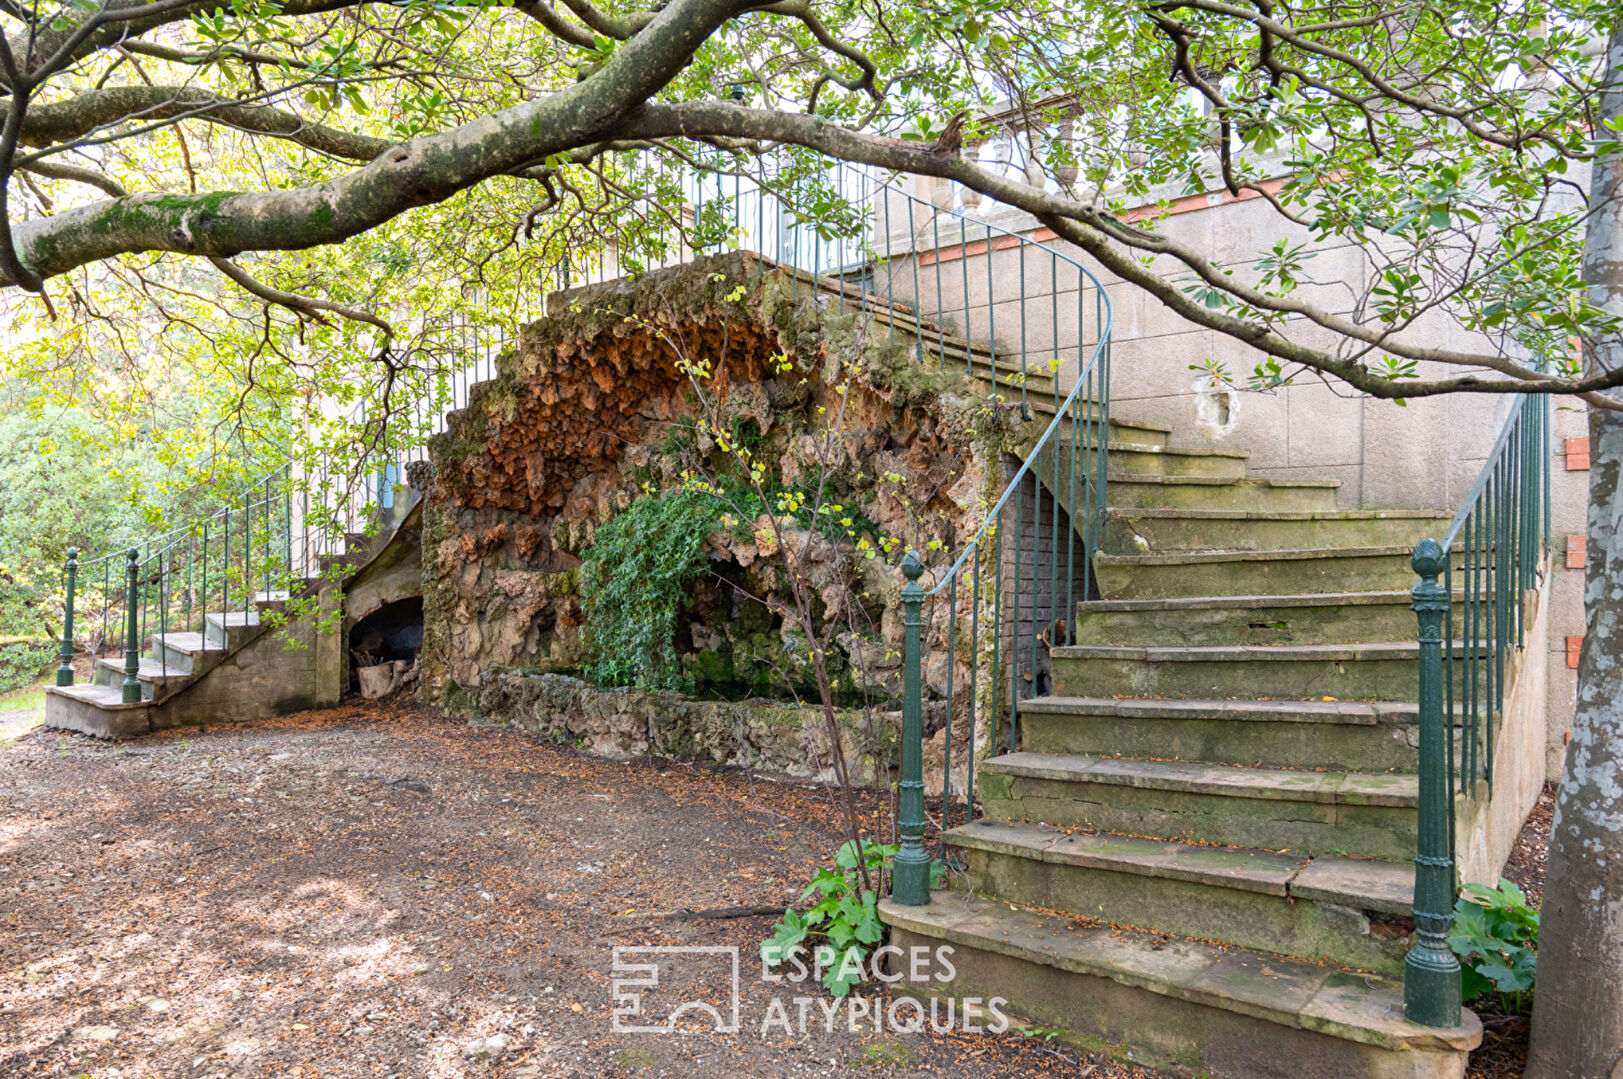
x=1578 y=1004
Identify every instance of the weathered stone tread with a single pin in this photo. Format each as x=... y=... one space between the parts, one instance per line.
x=149 y=670
x=1277 y=515
x=1338 y=788
x=1216 y=481
x=1228 y=867
x=1167 y=451
x=193 y=643
x=109 y=698
x=1363 y=884
x=1249 y=653
x=1241 y=603
x=1357 y=713
x=1287 y=554
x=1363 y=1008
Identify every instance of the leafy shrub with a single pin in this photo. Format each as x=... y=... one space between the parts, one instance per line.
x=1496 y=937
x=633 y=582
x=23 y=660
x=845 y=917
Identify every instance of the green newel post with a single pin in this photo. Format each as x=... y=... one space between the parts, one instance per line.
x=132 y=631
x=910 y=875
x=1431 y=972
x=64 y=670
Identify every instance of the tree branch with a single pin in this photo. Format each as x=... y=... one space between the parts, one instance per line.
x=555 y=24
x=425 y=170
x=65 y=121
x=57 y=170
x=306 y=307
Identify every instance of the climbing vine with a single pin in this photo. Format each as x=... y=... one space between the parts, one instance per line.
x=633 y=580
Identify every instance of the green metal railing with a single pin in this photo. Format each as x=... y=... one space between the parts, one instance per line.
x=226 y=563
x=1473 y=622
x=1009 y=597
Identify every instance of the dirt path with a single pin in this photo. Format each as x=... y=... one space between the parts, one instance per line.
x=376 y=892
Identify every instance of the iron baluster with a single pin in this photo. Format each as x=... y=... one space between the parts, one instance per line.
x=70 y=571
x=1431 y=981
x=910 y=873
x=132 y=649
x=974 y=669
x=946 y=742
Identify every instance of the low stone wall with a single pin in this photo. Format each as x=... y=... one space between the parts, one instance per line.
x=773 y=736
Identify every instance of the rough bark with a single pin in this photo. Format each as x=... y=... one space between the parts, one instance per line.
x=416 y=173
x=1578 y=1010
x=61 y=123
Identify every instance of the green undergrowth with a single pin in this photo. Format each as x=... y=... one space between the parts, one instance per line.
x=1495 y=935
x=23 y=660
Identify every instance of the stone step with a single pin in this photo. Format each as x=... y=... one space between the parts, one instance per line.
x=96 y=710
x=1346 y=911
x=1196 y=492
x=1366 y=671
x=1140 y=531
x=189 y=652
x=230 y=628
x=1321 y=618
x=1011 y=375
x=1253 y=573
x=1139 y=433
x=1136 y=459
x=1124 y=433
x=1181 y=1003
x=158 y=680
x=1354 y=813
x=1362 y=736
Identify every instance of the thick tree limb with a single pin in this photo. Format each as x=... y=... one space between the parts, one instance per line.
x=63 y=122
x=1097 y=232
x=425 y=170
x=607 y=108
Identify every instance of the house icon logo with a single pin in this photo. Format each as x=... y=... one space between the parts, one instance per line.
x=659 y=989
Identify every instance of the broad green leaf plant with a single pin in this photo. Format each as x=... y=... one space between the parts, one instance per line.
x=1496 y=937
x=834 y=937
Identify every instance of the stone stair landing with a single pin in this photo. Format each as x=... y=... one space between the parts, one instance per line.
x=1203 y=850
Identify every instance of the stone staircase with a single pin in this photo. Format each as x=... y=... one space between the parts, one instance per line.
x=252 y=663
x=1202 y=851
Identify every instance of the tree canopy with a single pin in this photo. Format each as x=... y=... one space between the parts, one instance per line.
x=330 y=167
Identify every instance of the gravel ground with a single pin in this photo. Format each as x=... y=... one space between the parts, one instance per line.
x=379 y=891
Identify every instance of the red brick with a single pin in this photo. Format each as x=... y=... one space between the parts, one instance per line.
x=1577 y=550
x=1575 y=646
x=1577 y=454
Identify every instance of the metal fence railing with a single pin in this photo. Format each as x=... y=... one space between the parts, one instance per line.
x=1473 y=623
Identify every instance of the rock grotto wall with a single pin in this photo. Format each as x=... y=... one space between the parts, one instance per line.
x=591 y=409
